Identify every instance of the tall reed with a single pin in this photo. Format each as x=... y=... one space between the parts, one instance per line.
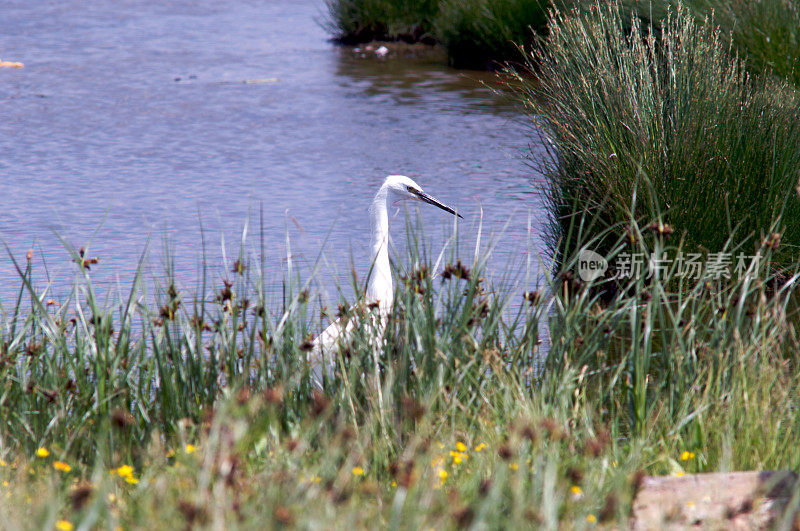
x=666 y=125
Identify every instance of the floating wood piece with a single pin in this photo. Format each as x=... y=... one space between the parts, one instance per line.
x=735 y=500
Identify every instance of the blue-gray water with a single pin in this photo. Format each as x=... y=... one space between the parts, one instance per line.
x=132 y=120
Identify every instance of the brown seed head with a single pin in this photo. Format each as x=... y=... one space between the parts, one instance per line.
x=79 y=495
x=320 y=403
x=284 y=515
x=121 y=418
x=463 y=517
x=505 y=452
x=274 y=395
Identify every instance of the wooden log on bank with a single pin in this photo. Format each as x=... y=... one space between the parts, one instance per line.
x=735 y=500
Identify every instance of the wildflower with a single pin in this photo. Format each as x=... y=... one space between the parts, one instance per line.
x=577 y=492
x=3 y=462
x=394 y=483
x=591 y=518
x=685 y=456
x=480 y=447
x=678 y=474
x=61 y=466
x=513 y=466
x=358 y=471
x=64 y=525
x=170 y=453
x=124 y=471
x=458 y=457
x=42 y=452
x=5 y=483
x=190 y=448
x=461 y=447
x=440 y=445
x=442 y=474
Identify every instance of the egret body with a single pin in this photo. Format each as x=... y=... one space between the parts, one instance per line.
x=380 y=290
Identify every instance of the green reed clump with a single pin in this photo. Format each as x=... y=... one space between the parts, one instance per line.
x=356 y=21
x=765 y=32
x=485 y=33
x=644 y=124
x=475 y=33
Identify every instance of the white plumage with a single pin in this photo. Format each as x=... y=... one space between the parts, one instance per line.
x=380 y=290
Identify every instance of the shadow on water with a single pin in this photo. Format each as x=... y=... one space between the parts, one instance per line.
x=407 y=79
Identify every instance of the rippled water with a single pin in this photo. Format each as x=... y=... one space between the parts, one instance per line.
x=134 y=120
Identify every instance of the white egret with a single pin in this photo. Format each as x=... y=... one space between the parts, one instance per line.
x=380 y=291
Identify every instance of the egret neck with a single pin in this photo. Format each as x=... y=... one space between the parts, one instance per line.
x=380 y=283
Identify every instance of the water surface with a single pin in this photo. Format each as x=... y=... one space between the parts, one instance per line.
x=136 y=121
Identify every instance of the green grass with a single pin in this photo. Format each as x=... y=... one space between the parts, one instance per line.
x=485 y=33
x=475 y=33
x=357 y=21
x=666 y=125
x=765 y=32
x=205 y=397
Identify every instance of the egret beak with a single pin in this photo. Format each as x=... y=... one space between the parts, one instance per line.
x=425 y=198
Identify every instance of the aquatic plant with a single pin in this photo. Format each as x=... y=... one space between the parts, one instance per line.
x=485 y=33
x=357 y=21
x=667 y=125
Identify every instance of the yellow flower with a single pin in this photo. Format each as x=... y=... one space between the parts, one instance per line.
x=461 y=447
x=170 y=453
x=124 y=471
x=591 y=518
x=458 y=457
x=480 y=447
x=132 y=480
x=442 y=474
x=42 y=452
x=576 y=490
x=678 y=474
x=3 y=462
x=64 y=525
x=5 y=483
x=440 y=445
x=685 y=456
x=190 y=448
x=62 y=466
x=513 y=466
x=358 y=471
x=394 y=483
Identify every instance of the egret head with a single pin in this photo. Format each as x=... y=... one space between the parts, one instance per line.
x=404 y=188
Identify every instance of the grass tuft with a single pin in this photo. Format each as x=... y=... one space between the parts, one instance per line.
x=663 y=126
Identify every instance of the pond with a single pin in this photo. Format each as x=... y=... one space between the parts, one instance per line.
x=135 y=123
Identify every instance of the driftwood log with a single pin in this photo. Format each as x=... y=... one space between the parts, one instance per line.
x=735 y=500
